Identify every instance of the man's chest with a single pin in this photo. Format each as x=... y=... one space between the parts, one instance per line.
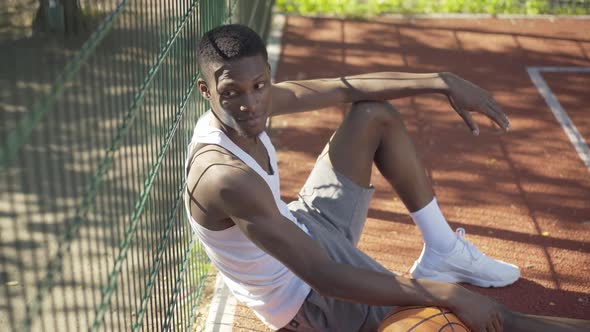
x=262 y=158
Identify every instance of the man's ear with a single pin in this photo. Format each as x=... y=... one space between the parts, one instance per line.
x=203 y=88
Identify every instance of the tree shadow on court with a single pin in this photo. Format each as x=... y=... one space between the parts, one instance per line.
x=339 y=47
x=530 y=179
x=491 y=232
x=530 y=297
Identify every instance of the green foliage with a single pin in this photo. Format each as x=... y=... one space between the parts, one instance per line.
x=365 y=8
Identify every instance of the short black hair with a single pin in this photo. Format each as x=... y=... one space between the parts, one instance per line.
x=229 y=42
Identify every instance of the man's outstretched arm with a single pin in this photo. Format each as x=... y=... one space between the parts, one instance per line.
x=464 y=96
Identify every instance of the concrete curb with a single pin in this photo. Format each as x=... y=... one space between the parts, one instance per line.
x=222 y=308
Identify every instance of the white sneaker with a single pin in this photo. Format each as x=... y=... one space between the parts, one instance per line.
x=464 y=263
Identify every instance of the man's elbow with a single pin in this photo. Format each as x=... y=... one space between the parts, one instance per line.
x=348 y=93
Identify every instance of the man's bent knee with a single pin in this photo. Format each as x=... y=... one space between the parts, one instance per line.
x=377 y=113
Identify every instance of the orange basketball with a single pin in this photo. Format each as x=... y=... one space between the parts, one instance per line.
x=422 y=319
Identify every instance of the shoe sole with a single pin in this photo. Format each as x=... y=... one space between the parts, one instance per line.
x=454 y=278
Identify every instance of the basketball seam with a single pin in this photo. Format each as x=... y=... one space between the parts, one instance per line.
x=424 y=320
x=443 y=312
x=451 y=325
x=448 y=321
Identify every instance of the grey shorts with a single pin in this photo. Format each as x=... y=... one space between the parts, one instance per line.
x=334 y=209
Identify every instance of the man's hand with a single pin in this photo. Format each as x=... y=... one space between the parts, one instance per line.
x=479 y=312
x=467 y=97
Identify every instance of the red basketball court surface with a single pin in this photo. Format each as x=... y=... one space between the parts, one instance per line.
x=522 y=196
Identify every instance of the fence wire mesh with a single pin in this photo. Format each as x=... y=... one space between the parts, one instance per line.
x=97 y=107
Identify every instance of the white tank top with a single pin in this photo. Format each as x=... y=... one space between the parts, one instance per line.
x=254 y=277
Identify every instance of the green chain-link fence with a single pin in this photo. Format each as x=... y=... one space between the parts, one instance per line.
x=97 y=105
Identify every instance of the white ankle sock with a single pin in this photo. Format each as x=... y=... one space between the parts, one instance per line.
x=436 y=232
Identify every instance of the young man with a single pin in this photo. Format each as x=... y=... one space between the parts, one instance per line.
x=297 y=265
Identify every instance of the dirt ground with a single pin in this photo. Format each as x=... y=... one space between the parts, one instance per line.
x=523 y=196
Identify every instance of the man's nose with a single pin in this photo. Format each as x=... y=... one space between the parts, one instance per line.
x=248 y=104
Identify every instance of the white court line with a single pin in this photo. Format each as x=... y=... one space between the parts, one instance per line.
x=223 y=305
x=564 y=120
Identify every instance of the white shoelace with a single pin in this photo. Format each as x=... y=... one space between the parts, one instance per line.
x=473 y=251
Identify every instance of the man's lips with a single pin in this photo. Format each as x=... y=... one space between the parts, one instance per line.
x=251 y=118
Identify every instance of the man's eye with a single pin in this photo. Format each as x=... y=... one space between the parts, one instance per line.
x=260 y=85
x=230 y=93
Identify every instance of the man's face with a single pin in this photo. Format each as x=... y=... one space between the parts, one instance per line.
x=239 y=93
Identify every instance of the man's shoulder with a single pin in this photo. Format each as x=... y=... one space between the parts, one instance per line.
x=204 y=155
x=221 y=185
x=218 y=169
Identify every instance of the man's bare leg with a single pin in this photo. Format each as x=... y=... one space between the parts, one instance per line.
x=374 y=132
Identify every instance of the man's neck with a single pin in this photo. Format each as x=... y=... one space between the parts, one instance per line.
x=245 y=143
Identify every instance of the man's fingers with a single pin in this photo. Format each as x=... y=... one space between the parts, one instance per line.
x=493 y=114
x=469 y=121
x=497 y=323
x=501 y=320
x=496 y=106
x=466 y=117
x=502 y=121
x=493 y=326
x=497 y=120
